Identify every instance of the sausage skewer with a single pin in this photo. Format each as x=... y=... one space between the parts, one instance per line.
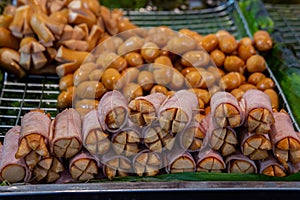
x=209 y=160
x=143 y=110
x=147 y=163
x=83 y=166
x=13 y=169
x=176 y=113
x=66 y=134
x=95 y=140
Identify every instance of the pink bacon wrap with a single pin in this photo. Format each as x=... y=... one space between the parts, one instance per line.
x=179 y=160
x=34 y=136
x=258 y=111
x=95 y=140
x=109 y=105
x=66 y=138
x=255 y=146
x=232 y=116
x=273 y=163
x=128 y=140
x=209 y=160
x=286 y=141
x=220 y=139
x=144 y=109
x=238 y=163
x=176 y=112
x=83 y=166
x=12 y=169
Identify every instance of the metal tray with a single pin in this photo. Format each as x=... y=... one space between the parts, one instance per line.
x=19 y=96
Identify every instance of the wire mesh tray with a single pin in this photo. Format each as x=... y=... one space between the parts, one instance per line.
x=17 y=97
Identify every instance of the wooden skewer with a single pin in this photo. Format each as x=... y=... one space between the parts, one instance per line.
x=48 y=170
x=147 y=163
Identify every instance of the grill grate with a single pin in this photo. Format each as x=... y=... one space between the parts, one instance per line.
x=18 y=97
x=287 y=21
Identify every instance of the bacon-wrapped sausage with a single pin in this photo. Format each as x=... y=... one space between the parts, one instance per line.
x=209 y=160
x=95 y=140
x=66 y=138
x=226 y=110
x=143 y=110
x=286 y=142
x=177 y=112
x=113 y=111
x=13 y=169
x=258 y=111
x=238 y=163
x=271 y=167
x=34 y=137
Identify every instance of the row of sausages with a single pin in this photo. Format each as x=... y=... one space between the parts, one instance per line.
x=165 y=134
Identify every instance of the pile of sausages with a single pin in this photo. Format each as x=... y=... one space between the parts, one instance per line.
x=151 y=135
x=42 y=37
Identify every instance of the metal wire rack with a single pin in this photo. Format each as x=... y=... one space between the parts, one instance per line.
x=20 y=96
x=287 y=21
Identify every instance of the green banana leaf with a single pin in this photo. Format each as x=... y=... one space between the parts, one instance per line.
x=256 y=15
